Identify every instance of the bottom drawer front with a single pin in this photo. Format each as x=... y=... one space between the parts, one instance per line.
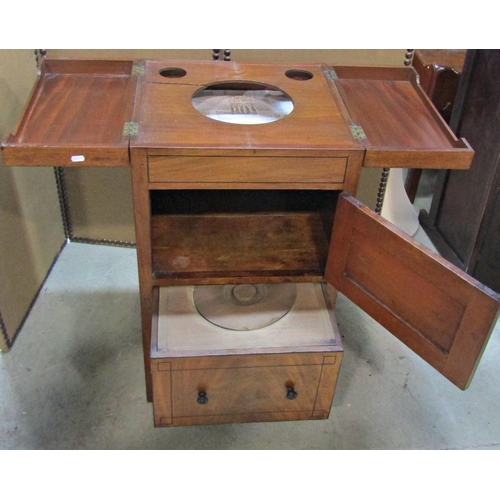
x=244 y=390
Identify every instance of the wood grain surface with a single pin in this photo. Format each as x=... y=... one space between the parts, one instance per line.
x=437 y=310
x=253 y=391
x=198 y=171
x=238 y=243
x=402 y=127
x=76 y=116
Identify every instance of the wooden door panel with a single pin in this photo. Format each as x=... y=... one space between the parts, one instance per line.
x=441 y=313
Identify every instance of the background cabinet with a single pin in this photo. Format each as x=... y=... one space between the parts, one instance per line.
x=464 y=220
x=439 y=71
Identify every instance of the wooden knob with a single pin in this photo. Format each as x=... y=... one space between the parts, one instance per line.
x=202 y=398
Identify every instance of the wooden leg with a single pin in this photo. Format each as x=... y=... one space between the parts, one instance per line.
x=142 y=215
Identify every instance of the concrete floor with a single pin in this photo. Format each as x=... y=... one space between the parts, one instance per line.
x=75 y=380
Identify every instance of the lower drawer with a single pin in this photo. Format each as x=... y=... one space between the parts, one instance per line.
x=206 y=374
x=244 y=388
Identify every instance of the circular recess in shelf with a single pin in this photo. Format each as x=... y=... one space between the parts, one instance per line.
x=242 y=102
x=244 y=307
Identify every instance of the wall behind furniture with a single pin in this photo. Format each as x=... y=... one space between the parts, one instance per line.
x=30 y=218
x=100 y=200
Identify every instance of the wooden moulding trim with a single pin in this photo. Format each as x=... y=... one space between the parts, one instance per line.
x=242 y=418
x=374 y=73
x=468 y=345
x=334 y=186
x=294 y=153
x=258 y=274
x=38 y=155
x=258 y=360
x=86 y=66
x=247 y=351
x=460 y=158
x=277 y=351
x=441 y=122
x=154 y=330
x=10 y=341
x=209 y=280
x=25 y=112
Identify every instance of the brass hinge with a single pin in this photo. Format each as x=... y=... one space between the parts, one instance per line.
x=357 y=131
x=130 y=128
x=330 y=74
x=138 y=70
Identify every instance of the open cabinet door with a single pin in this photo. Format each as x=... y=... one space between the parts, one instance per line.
x=437 y=310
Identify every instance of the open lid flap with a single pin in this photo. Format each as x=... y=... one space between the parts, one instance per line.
x=396 y=121
x=77 y=115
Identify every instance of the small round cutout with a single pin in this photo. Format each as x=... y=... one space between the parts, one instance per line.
x=172 y=72
x=299 y=74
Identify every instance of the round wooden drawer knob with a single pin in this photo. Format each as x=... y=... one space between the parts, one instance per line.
x=202 y=398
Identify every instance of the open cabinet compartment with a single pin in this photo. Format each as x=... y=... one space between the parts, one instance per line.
x=203 y=236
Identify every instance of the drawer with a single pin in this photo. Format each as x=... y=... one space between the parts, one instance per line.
x=204 y=374
x=249 y=170
x=277 y=387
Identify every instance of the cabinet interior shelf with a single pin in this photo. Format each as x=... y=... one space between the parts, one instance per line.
x=240 y=234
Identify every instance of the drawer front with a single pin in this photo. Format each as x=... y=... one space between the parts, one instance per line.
x=243 y=388
x=210 y=170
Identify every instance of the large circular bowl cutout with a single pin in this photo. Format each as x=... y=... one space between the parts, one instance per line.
x=243 y=103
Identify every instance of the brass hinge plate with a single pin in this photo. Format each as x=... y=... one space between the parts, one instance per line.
x=130 y=128
x=138 y=70
x=357 y=131
x=330 y=74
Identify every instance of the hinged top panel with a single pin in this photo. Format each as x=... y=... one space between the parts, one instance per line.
x=402 y=127
x=168 y=118
x=80 y=109
x=77 y=110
